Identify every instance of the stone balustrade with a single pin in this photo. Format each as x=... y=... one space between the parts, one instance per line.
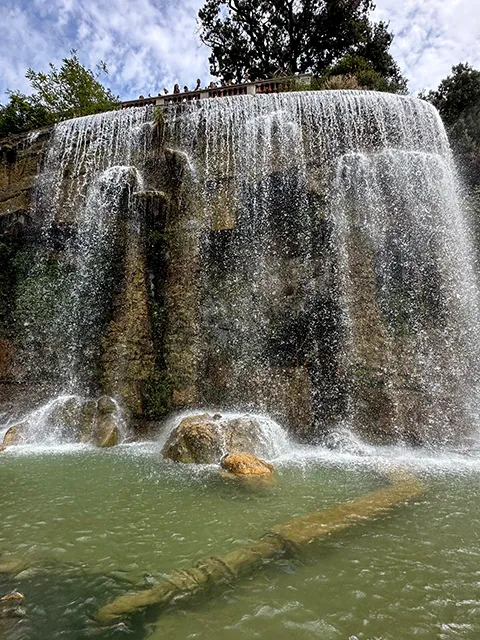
x=271 y=85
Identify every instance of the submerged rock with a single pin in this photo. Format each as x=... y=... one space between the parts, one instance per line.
x=205 y=438
x=243 y=463
x=11 y=605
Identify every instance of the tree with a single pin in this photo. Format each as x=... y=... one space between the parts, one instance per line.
x=458 y=102
x=73 y=90
x=68 y=92
x=264 y=37
x=23 y=113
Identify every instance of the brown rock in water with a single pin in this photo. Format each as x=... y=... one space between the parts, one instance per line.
x=246 y=464
x=106 y=405
x=14 y=435
x=99 y=422
x=203 y=438
x=65 y=418
x=2 y=447
x=87 y=421
x=196 y=439
x=243 y=434
x=108 y=434
x=10 y=605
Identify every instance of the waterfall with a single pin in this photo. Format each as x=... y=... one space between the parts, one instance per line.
x=83 y=196
x=86 y=222
x=308 y=259
x=336 y=273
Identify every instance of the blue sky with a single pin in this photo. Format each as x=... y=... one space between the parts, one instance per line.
x=149 y=44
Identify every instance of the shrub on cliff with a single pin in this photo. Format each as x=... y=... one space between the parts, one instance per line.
x=68 y=92
x=379 y=77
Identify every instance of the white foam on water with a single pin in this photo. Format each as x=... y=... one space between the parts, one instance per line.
x=350 y=450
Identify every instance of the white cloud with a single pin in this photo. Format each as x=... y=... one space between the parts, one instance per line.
x=149 y=44
x=432 y=36
x=146 y=45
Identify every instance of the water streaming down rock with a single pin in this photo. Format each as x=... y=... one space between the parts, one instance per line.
x=303 y=256
x=87 y=222
x=335 y=271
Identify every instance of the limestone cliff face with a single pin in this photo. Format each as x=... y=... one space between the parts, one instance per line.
x=20 y=160
x=21 y=157
x=289 y=255
x=163 y=345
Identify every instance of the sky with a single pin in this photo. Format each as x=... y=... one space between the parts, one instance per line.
x=152 y=44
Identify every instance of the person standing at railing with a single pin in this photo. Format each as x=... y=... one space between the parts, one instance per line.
x=199 y=84
x=176 y=89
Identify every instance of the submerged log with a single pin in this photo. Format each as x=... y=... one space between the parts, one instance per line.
x=283 y=539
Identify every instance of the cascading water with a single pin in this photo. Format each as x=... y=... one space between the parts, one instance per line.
x=336 y=273
x=315 y=265
x=85 y=187
x=84 y=209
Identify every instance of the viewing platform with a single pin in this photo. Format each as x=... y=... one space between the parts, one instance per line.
x=271 y=85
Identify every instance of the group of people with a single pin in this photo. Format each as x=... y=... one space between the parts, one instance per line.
x=228 y=83
x=212 y=85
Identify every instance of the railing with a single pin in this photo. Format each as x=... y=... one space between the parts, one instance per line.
x=271 y=85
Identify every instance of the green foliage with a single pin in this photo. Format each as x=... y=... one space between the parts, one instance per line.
x=68 y=92
x=457 y=94
x=458 y=102
x=23 y=113
x=376 y=77
x=72 y=90
x=265 y=37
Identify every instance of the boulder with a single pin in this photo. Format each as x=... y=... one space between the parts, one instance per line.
x=73 y=419
x=243 y=434
x=108 y=434
x=11 y=604
x=197 y=439
x=204 y=438
x=106 y=405
x=247 y=464
x=15 y=435
x=87 y=421
x=64 y=418
x=2 y=447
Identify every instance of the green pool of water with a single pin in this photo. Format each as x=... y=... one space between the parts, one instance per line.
x=79 y=528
